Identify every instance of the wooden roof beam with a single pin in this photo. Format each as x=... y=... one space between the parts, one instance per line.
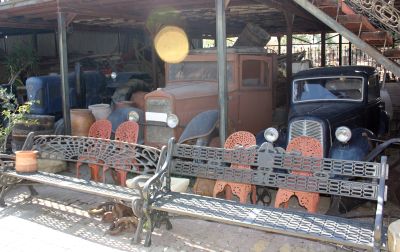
x=284 y=5
x=22 y=4
x=26 y=25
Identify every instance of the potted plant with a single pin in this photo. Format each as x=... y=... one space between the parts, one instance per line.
x=11 y=113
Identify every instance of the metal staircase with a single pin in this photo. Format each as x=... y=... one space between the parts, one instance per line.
x=381 y=13
x=367 y=32
x=367 y=28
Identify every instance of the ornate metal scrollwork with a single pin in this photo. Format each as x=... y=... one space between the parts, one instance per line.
x=135 y=158
x=381 y=13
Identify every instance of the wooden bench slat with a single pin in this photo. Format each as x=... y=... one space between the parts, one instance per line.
x=301 y=224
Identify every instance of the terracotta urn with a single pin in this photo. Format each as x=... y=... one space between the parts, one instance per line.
x=100 y=111
x=26 y=161
x=81 y=120
x=123 y=104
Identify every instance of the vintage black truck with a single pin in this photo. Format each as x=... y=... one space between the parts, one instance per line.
x=343 y=109
x=339 y=106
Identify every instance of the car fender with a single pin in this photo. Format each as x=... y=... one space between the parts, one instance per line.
x=384 y=120
x=356 y=149
x=200 y=126
x=280 y=142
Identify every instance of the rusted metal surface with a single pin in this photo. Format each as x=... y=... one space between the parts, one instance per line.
x=197 y=91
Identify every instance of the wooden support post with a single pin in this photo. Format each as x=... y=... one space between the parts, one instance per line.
x=222 y=83
x=340 y=50
x=323 y=49
x=62 y=46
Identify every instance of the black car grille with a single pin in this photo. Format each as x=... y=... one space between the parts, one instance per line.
x=309 y=128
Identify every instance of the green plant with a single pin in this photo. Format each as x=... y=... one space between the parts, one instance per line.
x=22 y=58
x=12 y=113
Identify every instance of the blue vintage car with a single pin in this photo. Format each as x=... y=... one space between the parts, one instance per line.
x=342 y=108
x=339 y=106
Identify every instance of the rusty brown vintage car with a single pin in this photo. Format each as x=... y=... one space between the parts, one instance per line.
x=186 y=108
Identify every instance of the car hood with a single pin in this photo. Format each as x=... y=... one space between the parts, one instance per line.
x=331 y=111
x=191 y=90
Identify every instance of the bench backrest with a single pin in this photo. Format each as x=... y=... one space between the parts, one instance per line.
x=272 y=167
x=131 y=157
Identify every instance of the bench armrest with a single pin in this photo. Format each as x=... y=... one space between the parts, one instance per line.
x=137 y=183
x=379 y=206
x=154 y=185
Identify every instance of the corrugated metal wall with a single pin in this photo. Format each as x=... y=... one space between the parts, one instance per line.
x=93 y=43
x=79 y=43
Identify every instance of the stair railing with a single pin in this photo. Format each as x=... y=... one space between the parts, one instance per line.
x=382 y=13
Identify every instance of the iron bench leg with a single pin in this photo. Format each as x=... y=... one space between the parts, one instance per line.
x=3 y=193
x=138 y=234
x=156 y=220
x=32 y=190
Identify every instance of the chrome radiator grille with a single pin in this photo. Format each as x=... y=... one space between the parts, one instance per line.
x=158 y=133
x=306 y=128
x=159 y=105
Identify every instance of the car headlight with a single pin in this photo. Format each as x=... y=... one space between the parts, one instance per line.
x=271 y=134
x=133 y=116
x=343 y=134
x=172 y=121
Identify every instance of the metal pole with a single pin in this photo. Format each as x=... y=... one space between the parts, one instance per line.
x=221 y=56
x=62 y=46
x=350 y=54
x=289 y=45
x=154 y=62
x=323 y=49
x=81 y=100
x=350 y=36
x=340 y=50
x=279 y=45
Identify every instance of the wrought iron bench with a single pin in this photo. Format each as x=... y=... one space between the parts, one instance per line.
x=133 y=158
x=356 y=179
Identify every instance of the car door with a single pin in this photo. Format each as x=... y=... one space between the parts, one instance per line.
x=255 y=94
x=374 y=105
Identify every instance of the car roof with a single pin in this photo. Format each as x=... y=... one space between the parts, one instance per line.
x=335 y=71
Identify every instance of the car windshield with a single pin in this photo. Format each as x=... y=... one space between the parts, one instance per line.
x=332 y=88
x=197 y=71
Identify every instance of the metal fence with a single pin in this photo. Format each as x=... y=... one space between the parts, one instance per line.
x=313 y=53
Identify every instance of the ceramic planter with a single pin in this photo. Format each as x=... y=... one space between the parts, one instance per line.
x=100 y=111
x=26 y=161
x=81 y=120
